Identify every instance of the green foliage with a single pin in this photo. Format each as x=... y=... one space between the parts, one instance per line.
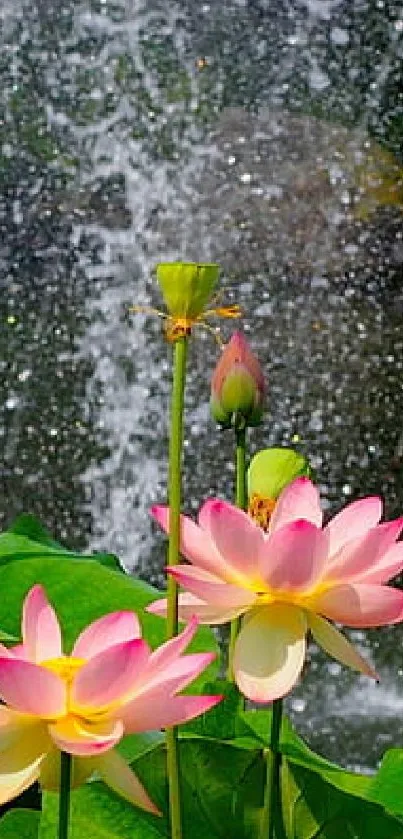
x=314 y=809
x=27 y=538
x=223 y=771
x=211 y=773
x=222 y=796
x=387 y=786
x=29 y=526
x=223 y=754
x=20 y=824
x=97 y=813
x=258 y=724
x=222 y=721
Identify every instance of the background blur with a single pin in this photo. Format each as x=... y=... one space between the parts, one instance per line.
x=266 y=135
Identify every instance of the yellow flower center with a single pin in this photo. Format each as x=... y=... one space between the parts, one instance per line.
x=260 y=509
x=66 y=667
x=305 y=599
x=178 y=326
x=267 y=598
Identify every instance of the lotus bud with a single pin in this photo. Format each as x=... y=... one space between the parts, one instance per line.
x=237 y=387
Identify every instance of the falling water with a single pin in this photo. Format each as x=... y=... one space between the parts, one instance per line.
x=265 y=135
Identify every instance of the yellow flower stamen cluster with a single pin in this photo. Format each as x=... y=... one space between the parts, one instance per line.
x=260 y=509
x=180 y=327
x=66 y=667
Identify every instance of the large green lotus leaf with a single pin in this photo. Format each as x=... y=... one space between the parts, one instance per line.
x=258 y=723
x=222 y=796
x=321 y=799
x=83 y=591
x=229 y=721
x=20 y=824
x=212 y=775
x=251 y=729
x=96 y=813
x=314 y=809
x=27 y=538
x=136 y=745
x=387 y=785
x=18 y=546
x=221 y=723
x=28 y=525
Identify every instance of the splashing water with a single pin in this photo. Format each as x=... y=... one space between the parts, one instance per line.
x=262 y=135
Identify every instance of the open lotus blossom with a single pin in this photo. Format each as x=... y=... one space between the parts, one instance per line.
x=288 y=581
x=112 y=684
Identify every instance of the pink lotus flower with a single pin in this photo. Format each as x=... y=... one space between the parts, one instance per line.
x=112 y=684
x=288 y=581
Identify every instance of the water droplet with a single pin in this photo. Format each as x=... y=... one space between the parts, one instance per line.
x=339 y=36
x=24 y=375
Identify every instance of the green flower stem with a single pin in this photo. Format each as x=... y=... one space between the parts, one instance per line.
x=240 y=465
x=234 y=629
x=173 y=783
x=272 y=824
x=240 y=501
x=174 y=502
x=174 y=477
x=64 y=798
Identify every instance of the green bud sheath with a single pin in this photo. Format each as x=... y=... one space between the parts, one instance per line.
x=271 y=470
x=237 y=387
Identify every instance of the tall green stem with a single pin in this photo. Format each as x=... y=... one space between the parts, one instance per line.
x=272 y=824
x=174 y=501
x=240 y=467
x=64 y=797
x=240 y=501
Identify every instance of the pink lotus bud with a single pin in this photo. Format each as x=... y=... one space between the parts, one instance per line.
x=237 y=387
